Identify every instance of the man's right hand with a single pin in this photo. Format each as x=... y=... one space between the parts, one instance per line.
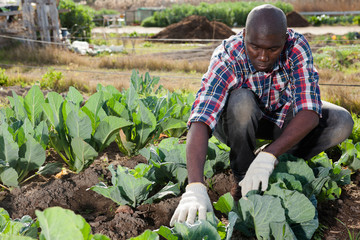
x=195 y=199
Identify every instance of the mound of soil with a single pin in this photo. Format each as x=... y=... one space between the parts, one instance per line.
x=294 y=19
x=195 y=27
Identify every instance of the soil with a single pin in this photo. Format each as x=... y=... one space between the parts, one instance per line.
x=294 y=19
x=195 y=27
x=70 y=191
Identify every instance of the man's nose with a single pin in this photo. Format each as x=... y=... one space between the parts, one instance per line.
x=263 y=55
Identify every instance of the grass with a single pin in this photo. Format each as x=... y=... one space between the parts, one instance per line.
x=150 y=63
x=336 y=64
x=141 y=44
x=352 y=235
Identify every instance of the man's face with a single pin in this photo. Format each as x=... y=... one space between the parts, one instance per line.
x=263 y=49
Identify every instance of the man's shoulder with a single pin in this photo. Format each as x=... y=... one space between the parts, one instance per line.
x=295 y=37
x=234 y=42
x=231 y=49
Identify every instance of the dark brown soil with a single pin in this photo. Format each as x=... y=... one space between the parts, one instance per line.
x=195 y=27
x=294 y=19
x=346 y=209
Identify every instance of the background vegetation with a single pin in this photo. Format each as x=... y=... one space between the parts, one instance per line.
x=230 y=13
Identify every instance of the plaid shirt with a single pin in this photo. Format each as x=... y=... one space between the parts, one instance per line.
x=292 y=82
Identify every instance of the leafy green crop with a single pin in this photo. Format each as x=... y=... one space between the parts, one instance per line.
x=150 y=115
x=16 y=162
x=149 y=182
x=132 y=186
x=145 y=86
x=23 y=138
x=78 y=133
x=332 y=174
x=18 y=229
x=350 y=155
x=53 y=222
x=181 y=108
x=59 y=223
x=211 y=228
x=169 y=160
x=287 y=210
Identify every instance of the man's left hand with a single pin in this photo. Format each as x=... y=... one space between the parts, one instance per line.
x=258 y=172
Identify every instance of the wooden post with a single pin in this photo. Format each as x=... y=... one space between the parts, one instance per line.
x=47 y=20
x=43 y=22
x=28 y=19
x=54 y=20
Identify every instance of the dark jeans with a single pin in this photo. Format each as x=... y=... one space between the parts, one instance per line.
x=241 y=123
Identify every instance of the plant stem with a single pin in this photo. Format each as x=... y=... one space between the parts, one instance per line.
x=5 y=187
x=27 y=179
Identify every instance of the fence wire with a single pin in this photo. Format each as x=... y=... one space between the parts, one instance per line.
x=129 y=73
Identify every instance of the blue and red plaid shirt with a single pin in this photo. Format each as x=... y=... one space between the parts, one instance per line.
x=292 y=82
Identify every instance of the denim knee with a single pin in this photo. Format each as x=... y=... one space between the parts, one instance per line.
x=341 y=122
x=242 y=106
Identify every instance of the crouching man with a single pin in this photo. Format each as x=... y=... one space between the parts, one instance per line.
x=261 y=83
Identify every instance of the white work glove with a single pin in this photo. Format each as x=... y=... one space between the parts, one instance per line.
x=258 y=172
x=195 y=199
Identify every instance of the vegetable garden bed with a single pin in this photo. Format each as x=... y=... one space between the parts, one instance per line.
x=120 y=186
x=70 y=192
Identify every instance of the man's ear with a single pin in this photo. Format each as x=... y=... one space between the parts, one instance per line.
x=244 y=33
x=286 y=36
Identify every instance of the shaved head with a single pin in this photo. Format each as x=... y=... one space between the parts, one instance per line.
x=266 y=19
x=265 y=36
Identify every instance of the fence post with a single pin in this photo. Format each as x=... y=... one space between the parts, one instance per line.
x=47 y=20
x=28 y=19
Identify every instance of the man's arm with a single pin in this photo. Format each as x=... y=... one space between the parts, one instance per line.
x=196 y=150
x=298 y=128
x=195 y=201
x=264 y=163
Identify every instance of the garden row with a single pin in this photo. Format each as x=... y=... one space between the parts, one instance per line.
x=79 y=130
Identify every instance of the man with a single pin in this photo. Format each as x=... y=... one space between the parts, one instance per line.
x=261 y=83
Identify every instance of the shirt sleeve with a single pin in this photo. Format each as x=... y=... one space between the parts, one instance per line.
x=305 y=78
x=215 y=84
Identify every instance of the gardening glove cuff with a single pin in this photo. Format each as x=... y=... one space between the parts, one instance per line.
x=258 y=172
x=195 y=199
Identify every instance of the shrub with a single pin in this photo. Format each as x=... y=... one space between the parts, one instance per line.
x=329 y=20
x=3 y=78
x=230 y=13
x=78 y=20
x=355 y=135
x=149 y=22
x=356 y=20
x=51 y=79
